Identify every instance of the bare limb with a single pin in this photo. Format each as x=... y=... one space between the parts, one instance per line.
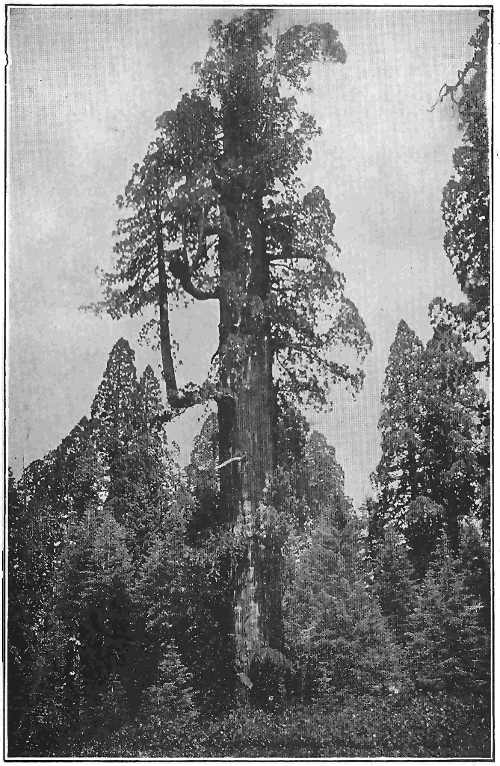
x=238 y=458
x=215 y=354
x=450 y=90
x=290 y=255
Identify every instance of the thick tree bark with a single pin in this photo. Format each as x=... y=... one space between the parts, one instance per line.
x=257 y=596
x=230 y=489
x=245 y=429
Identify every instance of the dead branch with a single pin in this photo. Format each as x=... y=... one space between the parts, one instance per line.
x=237 y=458
x=450 y=90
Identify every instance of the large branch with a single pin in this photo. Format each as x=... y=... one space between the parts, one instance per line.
x=179 y=262
x=179 y=269
x=165 y=338
x=191 y=395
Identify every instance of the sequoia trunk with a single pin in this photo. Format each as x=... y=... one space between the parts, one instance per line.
x=245 y=429
x=257 y=594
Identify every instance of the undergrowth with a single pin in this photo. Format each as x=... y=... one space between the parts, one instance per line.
x=432 y=725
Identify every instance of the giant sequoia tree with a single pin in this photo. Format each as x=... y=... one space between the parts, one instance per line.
x=217 y=213
x=433 y=472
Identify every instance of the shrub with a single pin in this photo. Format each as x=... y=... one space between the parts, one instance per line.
x=171 y=694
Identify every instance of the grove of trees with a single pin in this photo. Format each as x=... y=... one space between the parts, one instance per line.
x=241 y=605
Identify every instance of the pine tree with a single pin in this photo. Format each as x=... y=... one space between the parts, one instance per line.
x=115 y=405
x=150 y=398
x=397 y=476
x=116 y=416
x=394 y=581
x=94 y=605
x=308 y=479
x=446 y=646
x=108 y=602
x=52 y=502
x=170 y=695
x=38 y=519
x=433 y=469
x=323 y=479
x=155 y=610
x=78 y=632
x=53 y=714
x=142 y=476
x=188 y=591
x=151 y=488
x=114 y=706
x=335 y=629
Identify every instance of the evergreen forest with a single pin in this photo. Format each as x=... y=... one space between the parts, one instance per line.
x=241 y=605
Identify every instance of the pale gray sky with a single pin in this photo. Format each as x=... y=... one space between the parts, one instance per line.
x=85 y=86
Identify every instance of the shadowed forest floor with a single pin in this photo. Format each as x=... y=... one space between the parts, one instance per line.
x=424 y=725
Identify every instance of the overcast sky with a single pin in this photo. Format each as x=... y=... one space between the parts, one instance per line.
x=84 y=88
